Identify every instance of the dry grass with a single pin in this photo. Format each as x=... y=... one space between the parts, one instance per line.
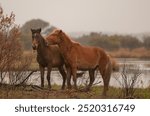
x=135 y=53
x=34 y=65
x=28 y=92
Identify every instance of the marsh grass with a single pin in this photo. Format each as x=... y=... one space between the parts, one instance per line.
x=134 y=53
x=28 y=92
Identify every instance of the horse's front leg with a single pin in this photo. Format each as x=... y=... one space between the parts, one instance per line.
x=42 y=75
x=74 y=73
x=63 y=73
x=49 y=68
x=68 y=77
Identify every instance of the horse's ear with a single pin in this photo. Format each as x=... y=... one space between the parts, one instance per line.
x=39 y=30
x=60 y=31
x=31 y=30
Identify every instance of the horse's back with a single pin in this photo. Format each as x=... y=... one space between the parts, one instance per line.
x=86 y=51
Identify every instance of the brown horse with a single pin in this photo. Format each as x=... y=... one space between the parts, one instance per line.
x=47 y=56
x=78 y=57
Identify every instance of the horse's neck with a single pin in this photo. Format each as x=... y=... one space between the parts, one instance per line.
x=66 y=44
x=42 y=50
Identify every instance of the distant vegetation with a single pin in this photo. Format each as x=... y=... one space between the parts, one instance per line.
x=118 y=45
x=114 y=42
x=109 y=42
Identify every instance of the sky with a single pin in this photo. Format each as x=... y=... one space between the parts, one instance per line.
x=117 y=16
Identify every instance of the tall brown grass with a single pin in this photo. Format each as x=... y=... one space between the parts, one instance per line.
x=134 y=53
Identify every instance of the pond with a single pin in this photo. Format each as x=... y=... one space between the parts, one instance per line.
x=134 y=66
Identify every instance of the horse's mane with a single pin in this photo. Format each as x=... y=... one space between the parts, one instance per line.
x=69 y=38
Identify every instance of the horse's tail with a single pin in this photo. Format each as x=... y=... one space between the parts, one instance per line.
x=108 y=68
x=115 y=65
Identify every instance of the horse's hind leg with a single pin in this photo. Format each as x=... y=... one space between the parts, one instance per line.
x=63 y=73
x=48 y=76
x=92 y=78
x=106 y=83
x=106 y=79
x=42 y=75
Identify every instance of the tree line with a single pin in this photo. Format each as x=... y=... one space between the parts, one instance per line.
x=114 y=42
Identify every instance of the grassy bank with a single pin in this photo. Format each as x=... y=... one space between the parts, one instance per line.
x=31 y=92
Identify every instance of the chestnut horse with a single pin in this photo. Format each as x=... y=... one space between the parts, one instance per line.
x=47 y=56
x=79 y=57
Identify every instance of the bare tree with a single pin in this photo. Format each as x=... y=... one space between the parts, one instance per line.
x=129 y=80
x=13 y=63
x=8 y=34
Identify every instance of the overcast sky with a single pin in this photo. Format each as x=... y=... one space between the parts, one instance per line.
x=118 y=16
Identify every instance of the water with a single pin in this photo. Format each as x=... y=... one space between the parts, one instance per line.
x=143 y=80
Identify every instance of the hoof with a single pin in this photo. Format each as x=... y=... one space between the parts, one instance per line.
x=62 y=88
x=85 y=89
x=69 y=87
x=49 y=88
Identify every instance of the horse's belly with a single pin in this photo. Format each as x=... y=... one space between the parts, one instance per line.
x=84 y=69
x=57 y=62
x=86 y=66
